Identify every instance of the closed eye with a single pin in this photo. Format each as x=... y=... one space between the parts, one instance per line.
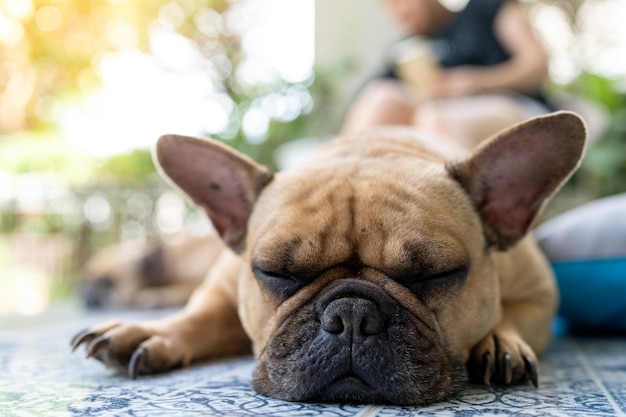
x=455 y=273
x=266 y=274
x=277 y=283
x=423 y=285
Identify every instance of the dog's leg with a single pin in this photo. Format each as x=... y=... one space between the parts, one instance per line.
x=208 y=327
x=508 y=353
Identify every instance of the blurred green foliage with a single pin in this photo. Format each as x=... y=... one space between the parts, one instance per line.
x=603 y=170
x=42 y=152
x=132 y=168
x=45 y=154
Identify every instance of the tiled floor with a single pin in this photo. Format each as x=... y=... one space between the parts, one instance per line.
x=40 y=377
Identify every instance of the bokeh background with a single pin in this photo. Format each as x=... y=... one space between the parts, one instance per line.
x=86 y=87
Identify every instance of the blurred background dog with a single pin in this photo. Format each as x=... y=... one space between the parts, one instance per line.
x=163 y=275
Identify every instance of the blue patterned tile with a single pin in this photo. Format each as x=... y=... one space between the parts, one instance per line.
x=40 y=377
x=617 y=391
x=563 y=400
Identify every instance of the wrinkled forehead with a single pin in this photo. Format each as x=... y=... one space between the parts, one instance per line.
x=361 y=191
x=387 y=217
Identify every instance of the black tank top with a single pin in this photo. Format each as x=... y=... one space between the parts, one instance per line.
x=470 y=39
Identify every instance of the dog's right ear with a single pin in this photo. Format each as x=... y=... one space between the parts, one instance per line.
x=223 y=182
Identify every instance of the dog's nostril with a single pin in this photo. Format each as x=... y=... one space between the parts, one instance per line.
x=352 y=317
x=371 y=325
x=332 y=323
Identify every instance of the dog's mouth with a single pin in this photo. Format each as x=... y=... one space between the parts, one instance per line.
x=349 y=387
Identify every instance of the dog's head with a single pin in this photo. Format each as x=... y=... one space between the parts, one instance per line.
x=114 y=276
x=368 y=271
x=162 y=275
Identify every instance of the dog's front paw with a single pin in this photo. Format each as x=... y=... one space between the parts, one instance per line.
x=136 y=348
x=502 y=358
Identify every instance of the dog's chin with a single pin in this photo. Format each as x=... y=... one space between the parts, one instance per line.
x=353 y=389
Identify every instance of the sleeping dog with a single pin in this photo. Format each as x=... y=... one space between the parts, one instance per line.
x=163 y=275
x=379 y=271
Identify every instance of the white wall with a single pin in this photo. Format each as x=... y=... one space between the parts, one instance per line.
x=357 y=29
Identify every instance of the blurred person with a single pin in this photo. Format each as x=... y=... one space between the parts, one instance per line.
x=483 y=70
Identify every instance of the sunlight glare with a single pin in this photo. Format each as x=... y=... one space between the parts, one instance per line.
x=27 y=294
x=604 y=46
x=293 y=54
x=19 y=9
x=170 y=212
x=11 y=32
x=172 y=90
x=255 y=124
x=49 y=18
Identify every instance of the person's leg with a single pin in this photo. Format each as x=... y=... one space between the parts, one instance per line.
x=470 y=120
x=381 y=103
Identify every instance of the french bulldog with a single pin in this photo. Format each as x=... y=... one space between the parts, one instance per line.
x=162 y=275
x=384 y=270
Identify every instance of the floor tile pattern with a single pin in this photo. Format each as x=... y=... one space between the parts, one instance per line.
x=40 y=377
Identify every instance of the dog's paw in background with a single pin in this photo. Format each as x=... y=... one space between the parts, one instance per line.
x=208 y=327
x=163 y=275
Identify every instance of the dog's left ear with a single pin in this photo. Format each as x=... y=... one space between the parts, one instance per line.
x=222 y=181
x=512 y=175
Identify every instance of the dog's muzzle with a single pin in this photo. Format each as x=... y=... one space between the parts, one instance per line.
x=354 y=342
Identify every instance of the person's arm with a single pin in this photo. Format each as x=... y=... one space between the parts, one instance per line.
x=524 y=72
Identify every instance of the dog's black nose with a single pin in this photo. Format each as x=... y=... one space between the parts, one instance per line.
x=352 y=319
x=96 y=292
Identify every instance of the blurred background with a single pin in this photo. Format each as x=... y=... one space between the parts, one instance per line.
x=86 y=87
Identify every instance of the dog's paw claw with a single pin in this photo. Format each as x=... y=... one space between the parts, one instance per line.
x=136 y=363
x=487 y=365
x=96 y=345
x=508 y=369
x=137 y=349
x=500 y=360
x=81 y=337
x=531 y=370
